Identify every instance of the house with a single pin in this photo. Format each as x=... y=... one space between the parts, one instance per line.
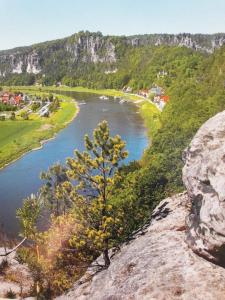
x=143 y=93
x=4 y=97
x=164 y=98
x=161 y=101
x=44 y=111
x=25 y=98
x=162 y=74
x=11 y=99
x=18 y=99
x=157 y=91
x=127 y=89
x=58 y=84
x=161 y=105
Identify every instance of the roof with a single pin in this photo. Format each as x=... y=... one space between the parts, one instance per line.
x=165 y=98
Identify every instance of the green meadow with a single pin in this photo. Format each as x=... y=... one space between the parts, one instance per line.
x=20 y=136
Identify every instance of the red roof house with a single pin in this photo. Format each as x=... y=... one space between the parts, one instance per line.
x=165 y=98
x=5 y=97
x=18 y=99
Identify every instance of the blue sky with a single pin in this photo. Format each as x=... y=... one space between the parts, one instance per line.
x=24 y=22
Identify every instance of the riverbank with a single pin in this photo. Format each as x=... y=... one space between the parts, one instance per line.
x=79 y=89
x=21 y=136
x=149 y=112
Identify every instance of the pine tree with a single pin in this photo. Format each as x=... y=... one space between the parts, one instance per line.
x=95 y=170
x=56 y=202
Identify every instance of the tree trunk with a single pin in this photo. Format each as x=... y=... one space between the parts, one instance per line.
x=106 y=257
x=14 y=249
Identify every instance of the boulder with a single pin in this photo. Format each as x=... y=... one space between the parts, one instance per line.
x=204 y=178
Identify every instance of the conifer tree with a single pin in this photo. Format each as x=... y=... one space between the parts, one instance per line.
x=56 y=202
x=95 y=171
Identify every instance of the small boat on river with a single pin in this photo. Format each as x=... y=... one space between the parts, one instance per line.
x=103 y=97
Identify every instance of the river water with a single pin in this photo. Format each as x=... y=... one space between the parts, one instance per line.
x=21 y=178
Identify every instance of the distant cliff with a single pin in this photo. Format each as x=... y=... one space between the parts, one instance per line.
x=46 y=57
x=83 y=48
x=200 y=42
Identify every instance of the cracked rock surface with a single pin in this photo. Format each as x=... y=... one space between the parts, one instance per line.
x=156 y=265
x=16 y=277
x=204 y=178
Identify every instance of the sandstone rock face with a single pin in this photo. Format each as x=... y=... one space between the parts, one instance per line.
x=156 y=265
x=204 y=177
x=87 y=47
x=198 y=42
x=33 y=64
x=20 y=62
x=92 y=49
x=16 y=277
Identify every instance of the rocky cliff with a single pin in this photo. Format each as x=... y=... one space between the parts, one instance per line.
x=204 y=177
x=202 y=42
x=84 y=47
x=14 y=276
x=43 y=58
x=159 y=263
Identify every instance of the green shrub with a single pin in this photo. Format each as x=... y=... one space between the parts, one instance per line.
x=10 y=294
x=4 y=266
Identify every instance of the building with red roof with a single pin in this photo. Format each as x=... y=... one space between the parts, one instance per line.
x=165 y=98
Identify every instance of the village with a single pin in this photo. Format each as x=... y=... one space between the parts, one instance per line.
x=16 y=99
x=22 y=105
x=154 y=94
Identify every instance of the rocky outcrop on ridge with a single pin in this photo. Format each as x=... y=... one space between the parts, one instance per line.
x=93 y=48
x=159 y=263
x=156 y=265
x=199 y=42
x=204 y=177
x=14 y=276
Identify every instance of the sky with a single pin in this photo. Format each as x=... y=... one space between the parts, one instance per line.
x=25 y=22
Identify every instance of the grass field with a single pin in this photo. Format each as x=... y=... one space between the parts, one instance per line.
x=151 y=116
x=10 y=131
x=19 y=136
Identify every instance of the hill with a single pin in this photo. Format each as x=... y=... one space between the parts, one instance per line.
x=86 y=58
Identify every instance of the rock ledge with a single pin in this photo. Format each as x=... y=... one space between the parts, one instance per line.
x=156 y=265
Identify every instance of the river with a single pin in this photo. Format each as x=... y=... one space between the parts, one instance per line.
x=21 y=178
